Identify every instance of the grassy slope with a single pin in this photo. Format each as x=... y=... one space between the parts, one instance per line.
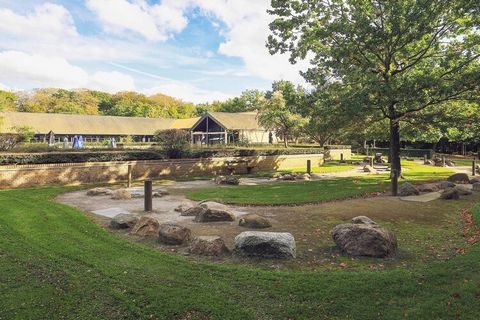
x=54 y=263
x=315 y=191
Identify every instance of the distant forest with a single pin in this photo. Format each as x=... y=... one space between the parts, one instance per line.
x=127 y=104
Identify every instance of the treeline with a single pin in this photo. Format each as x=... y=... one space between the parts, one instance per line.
x=128 y=104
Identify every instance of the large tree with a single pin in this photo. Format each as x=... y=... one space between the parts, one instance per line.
x=392 y=59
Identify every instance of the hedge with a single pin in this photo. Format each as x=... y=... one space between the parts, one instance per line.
x=126 y=155
x=414 y=153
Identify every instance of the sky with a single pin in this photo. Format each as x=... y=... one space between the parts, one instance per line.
x=195 y=50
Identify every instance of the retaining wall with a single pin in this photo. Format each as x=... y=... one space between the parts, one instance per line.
x=21 y=176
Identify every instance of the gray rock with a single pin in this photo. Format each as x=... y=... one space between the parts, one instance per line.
x=228 y=180
x=254 y=221
x=428 y=187
x=121 y=194
x=288 y=177
x=369 y=169
x=449 y=163
x=476 y=186
x=475 y=180
x=459 y=178
x=463 y=190
x=212 y=212
x=407 y=189
x=173 y=234
x=304 y=177
x=279 y=245
x=146 y=226
x=99 y=192
x=209 y=246
x=363 y=220
x=184 y=207
x=446 y=185
x=364 y=240
x=193 y=211
x=123 y=221
x=450 y=194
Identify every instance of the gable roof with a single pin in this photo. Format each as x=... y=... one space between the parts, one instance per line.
x=236 y=121
x=82 y=124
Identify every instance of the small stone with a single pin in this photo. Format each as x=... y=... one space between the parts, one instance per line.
x=446 y=185
x=227 y=180
x=450 y=194
x=146 y=226
x=254 y=221
x=123 y=221
x=99 y=192
x=363 y=220
x=160 y=193
x=208 y=246
x=121 y=194
x=173 y=234
x=184 y=207
x=407 y=189
x=304 y=177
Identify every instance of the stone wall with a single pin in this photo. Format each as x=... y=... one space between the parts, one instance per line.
x=21 y=176
x=336 y=154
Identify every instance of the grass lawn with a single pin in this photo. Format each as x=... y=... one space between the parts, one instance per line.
x=315 y=191
x=55 y=263
x=328 y=167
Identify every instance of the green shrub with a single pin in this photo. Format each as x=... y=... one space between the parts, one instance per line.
x=175 y=143
x=414 y=153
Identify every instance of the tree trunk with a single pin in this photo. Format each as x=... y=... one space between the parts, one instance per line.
x=396 y=169
x=285 y=140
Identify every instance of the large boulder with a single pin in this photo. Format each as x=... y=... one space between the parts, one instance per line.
x=123 y=221
x=254 y=221
x=364 y=240
x=363 y=220
x=121 y=194
x=450 y=194
x=407 y=189
x=99 y=192
x=459 y=178
x=208 y=246
x=228 y=180
x=173 y=234
x=193 y=211
x=146 y=226
x=475 y=180
x=304 y=177
x=265 y=244
x=213 y=212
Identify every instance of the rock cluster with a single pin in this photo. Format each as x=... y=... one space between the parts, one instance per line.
x=227 y=180
x=408 y=189
x=99 y=192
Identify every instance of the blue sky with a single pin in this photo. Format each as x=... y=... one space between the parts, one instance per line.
x=196 y=50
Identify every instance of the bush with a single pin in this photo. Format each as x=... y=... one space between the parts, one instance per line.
x=413 y=153
x=175 y=143
x=78 y=157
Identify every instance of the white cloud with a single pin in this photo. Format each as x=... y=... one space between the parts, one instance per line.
x=154 y=22
x=187 y=92
x=111 y=82
x=47 y=21
x=29 y=71
x=38 y=70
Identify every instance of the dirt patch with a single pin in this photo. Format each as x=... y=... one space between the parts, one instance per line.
x=425 y=231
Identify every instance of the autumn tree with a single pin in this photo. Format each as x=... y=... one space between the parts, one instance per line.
x=391 y=59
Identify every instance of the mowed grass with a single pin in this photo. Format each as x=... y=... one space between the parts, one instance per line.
x=329 y=167
x=56 y=264
x=289 y=193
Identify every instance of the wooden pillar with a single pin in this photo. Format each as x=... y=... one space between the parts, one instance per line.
x=129 y=176
x=474 y=167
x=148 y=190
x=309 y=166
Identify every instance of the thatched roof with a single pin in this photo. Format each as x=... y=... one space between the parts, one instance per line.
x=186 y=124
x=43 y=123
x=236 y=121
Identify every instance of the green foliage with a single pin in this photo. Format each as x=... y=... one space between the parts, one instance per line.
x=276 y=115
x=175 y=143
x=383 y=59
x=7 y=101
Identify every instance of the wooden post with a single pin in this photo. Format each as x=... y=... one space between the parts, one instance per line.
x=341 y=157
x=148 y=195
x=474 y=167
x=424 y=158
x=371 y=161
x=129 y=184
x=443 y=161
x=309 y=166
